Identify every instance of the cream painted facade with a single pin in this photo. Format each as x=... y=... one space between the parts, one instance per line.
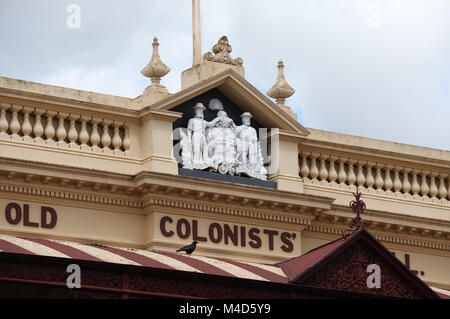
x=105 y=165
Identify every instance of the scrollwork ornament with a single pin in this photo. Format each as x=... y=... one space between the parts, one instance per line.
x=358 y=206
x=222 y=50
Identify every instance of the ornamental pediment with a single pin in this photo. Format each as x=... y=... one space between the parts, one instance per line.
x=358 y=263
x=237 y=92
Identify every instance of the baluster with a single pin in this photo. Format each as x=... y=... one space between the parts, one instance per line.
x=49 y=129
x=126 y=139
x=106 y=138
x=397 y=183
x=73 y=134
x=117 y=140
x=351 y=177
x=370 y=181
x=14 y=127
x=314 y=172
x=332 y=174
x=26 y=125
x=387 y=178
x=38 y=129
x=442 y=190
x=84 y=135
x=433 y=188
x=378 y=179
x=415 y=187
x=95 y=137
x=360 y=179
x=406 y=186
x=61 y=133
x=448 y=189
x=304 y=170
x=323 y=173
x=424 y=189
x=4 y=125
x=342 y=176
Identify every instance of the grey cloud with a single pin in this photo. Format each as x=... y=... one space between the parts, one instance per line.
x=390 y=82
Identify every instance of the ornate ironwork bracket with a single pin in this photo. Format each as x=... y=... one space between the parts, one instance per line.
x=358 y=207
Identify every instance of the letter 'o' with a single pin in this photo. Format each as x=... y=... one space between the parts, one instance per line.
x=187 y=228
x=8 y=214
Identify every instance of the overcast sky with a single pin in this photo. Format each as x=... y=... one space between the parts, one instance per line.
x=379 y=69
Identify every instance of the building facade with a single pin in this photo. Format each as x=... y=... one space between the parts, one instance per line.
x=82 y=168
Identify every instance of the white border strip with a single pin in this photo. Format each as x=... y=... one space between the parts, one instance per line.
x=442 y=291
x=166 y=260
x=273 y=269
x=99 y=253
x=230 y=268
x=35 y=248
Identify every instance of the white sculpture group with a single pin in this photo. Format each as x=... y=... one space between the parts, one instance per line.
x=220 y=145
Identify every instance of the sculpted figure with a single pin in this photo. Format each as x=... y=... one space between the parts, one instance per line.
x=249 y=157
x=196 y=138
x=221 y=145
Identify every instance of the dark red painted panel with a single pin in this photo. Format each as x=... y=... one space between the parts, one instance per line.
x=257 y=271
x=137 y=258
x=12 y=248
x=198 y=264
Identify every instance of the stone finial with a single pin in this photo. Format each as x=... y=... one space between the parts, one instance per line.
x=222 y=50
x=155 y=69
x=281 y=90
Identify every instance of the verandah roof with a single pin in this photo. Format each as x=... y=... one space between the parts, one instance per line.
x=165 y=260
x=282 y=273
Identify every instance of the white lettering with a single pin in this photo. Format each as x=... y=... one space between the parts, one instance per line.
x=74 y=19
x=374 y=280
x=74 y=279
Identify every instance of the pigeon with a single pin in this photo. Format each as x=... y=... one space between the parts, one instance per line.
x=189 y=249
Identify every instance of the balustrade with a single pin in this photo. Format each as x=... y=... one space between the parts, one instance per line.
x=382 y=177
x=63 y=130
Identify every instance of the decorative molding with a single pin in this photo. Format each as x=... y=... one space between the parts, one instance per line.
x=372 y=193
x=260 y=204
x=382 y=237
x=156 y=201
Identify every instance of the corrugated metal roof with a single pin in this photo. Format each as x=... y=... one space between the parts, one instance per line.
x=173 y=261
x=165 y=260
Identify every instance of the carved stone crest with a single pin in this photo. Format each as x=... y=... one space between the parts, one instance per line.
x=222 y=50
x=220 y=145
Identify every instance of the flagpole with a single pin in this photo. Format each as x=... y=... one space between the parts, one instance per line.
x=196 y=31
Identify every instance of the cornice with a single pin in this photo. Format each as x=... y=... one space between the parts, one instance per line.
x=164 y=115
x=67 y=105
x=287 y=136
x=325 y=186
x=340 y=216
x=231 y=189
x=150 y=189
x=141 y=204
x=158 y=189
x=405 y=241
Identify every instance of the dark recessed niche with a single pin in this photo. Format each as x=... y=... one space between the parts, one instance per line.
x=234 y=112
x=226 y=178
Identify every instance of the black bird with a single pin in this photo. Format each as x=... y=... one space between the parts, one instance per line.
x=189 y=249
